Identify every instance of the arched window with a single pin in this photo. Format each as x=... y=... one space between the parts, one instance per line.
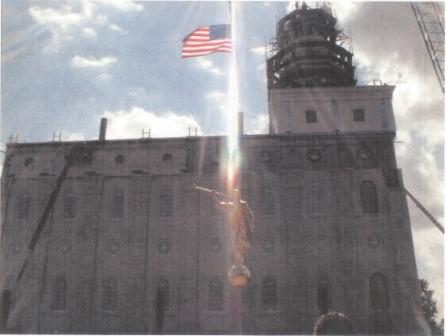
x=368 y=196
x=317 y=198
x=69 y=206
x=23 y=205
x=215 y=294
x=162 y=295
x=345 y=157
x=269 y=293
x=117 y=204
x=323 y=294
x=379 y=296
x=59 y=294
x=109 y=293
x=165 y=202
x=267 y=200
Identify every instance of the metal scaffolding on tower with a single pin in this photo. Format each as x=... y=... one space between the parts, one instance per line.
x=431 y=23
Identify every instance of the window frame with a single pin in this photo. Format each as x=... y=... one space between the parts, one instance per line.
x=109 y=294
x=215 y=295
x=358 y=115
x=368 y=197
x=69 y=210
x=117 y=208
x=311 y=116
x=269 y=293
x=24 y=201
x=59 y=299
x=165 y=199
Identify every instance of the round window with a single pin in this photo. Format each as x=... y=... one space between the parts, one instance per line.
x=64 y=246
x=215 y=245
x=314 y=154
x=374 y=241
x=268 y=244
x=29 y=161
x=119 y=159
x=167 y=157
x=363 y=154
x=113 y=247
x=164 y=246
x=265 y=155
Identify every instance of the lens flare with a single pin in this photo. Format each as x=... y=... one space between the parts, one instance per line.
x=233 y=159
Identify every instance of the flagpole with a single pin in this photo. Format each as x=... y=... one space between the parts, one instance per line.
x=233 y=108
x=233 y=171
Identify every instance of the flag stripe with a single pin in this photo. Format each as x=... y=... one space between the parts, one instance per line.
x=206 y=47
x=202 y=54
x=200 y=42
x=206 y=50
x=196 y=43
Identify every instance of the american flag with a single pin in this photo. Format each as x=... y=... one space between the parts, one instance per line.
x=207 y=40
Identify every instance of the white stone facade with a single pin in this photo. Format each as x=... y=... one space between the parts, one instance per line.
x=312 y=224
x=334 y=108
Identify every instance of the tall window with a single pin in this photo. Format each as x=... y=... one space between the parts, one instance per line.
x=323 y=294
x=269 y=293
x=162 y=294
x=310 y=117
x=267 y=200
x=316 y=197
x=109 y=294
x=345 y=158
x=165 y=202
x=59 y=294
x=358 y=115
x=69 y=206
x=5 y=304
x=117 y=204
x=368 y=197
x=215 y=294
x=23 y=205
x=379 y=296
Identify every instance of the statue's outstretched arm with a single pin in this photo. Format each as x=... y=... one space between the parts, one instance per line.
x=218 y=203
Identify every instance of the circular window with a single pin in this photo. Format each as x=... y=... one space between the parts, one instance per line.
x=314 y=154
x=265 y=155
x=16 y=247
x=268 y=244
x=321 y=243
x=374 y=241
x=215 y=245
x=119 y=159
x=167 y=157
x=29 y=161
x=363 y=154
x=64 y=246
x=164 y=246
x=113 y=247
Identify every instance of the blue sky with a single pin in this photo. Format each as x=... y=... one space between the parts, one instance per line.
x=65 y=64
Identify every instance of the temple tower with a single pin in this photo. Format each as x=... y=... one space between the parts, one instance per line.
x=312 y=94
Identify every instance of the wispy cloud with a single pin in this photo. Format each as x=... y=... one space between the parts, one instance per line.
x=209 y=66
x=83 y=62
x=66 y=22
x=121 y=5
x=89 y=33
x=116 y=28
x=258 y=125
x=260 y=51
x=126 y=124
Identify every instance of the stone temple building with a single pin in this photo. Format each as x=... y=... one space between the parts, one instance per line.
x=117 y=240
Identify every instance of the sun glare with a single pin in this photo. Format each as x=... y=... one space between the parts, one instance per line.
x=233 y=158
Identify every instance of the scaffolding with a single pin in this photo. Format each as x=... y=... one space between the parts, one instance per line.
x=431 y=23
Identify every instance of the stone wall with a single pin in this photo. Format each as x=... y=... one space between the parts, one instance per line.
x=131 y=221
